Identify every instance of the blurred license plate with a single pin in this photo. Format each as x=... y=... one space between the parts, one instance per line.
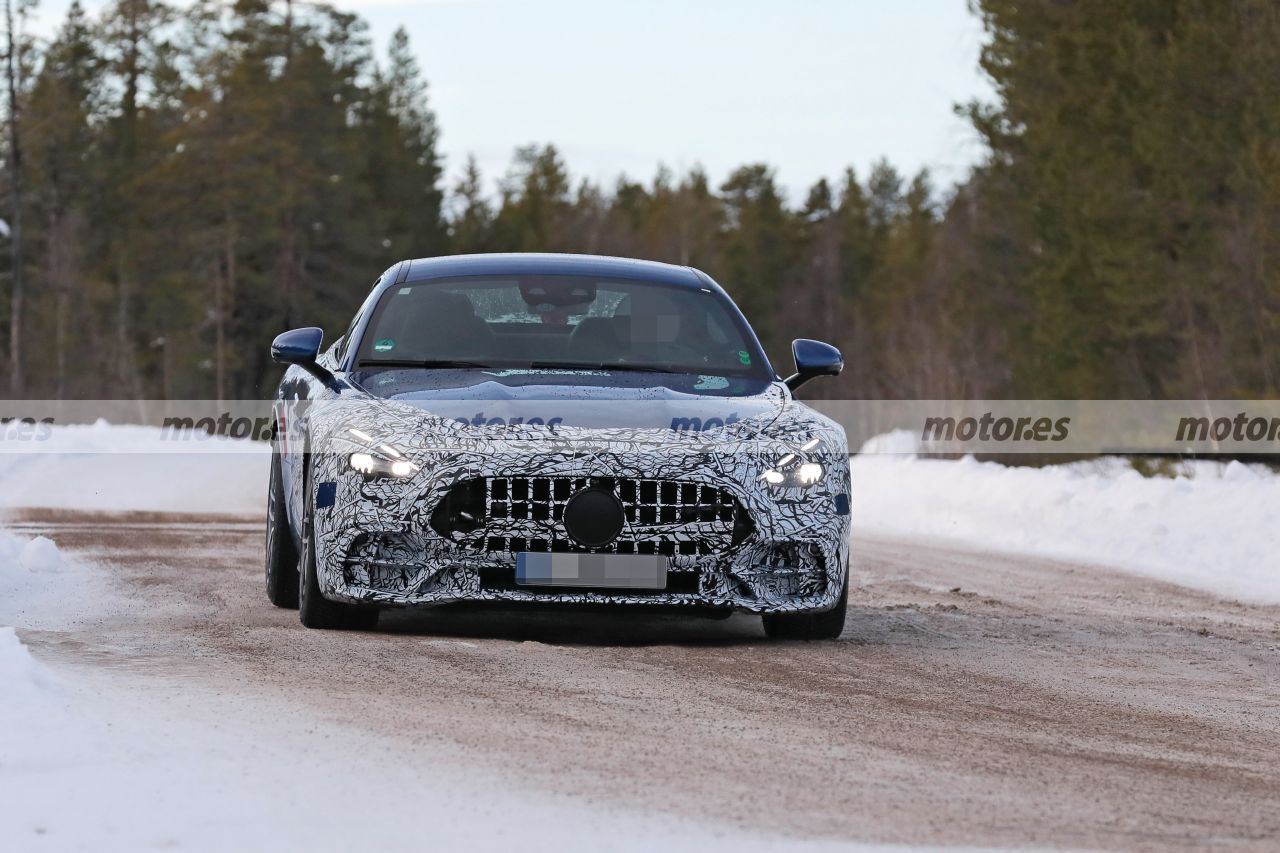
x=619 y=571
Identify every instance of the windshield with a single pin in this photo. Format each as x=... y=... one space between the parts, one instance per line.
x=559 y=322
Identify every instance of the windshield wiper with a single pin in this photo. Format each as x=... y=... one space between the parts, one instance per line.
x=617 y=368
x=430 y=364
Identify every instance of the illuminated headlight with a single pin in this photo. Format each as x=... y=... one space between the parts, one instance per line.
x=374 y=465
x=809 y=473
x=800 y=476
x=793 y=471
x=386 y=461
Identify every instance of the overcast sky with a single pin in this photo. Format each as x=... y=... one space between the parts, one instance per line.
x=809 y=86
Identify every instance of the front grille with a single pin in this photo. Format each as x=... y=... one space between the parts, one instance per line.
x=526 y=514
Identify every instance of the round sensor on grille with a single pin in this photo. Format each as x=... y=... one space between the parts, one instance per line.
x=594 y=517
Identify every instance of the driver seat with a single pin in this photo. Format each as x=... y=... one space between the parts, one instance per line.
x=442 y=326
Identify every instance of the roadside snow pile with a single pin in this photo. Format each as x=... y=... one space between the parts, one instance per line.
x=119 y=468
x=40 y=555
x=37 y=584
x=22 y=677
x=1211 y=527
x=21 y=560
x=901 y=442
x=26 y=556
x=33 y=715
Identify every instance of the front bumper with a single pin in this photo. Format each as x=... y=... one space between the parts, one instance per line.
x=757 y=577
x=375 y=543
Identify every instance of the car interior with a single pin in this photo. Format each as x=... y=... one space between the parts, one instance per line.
x=551 y=324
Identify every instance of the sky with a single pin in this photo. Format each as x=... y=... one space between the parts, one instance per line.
x=620 y=86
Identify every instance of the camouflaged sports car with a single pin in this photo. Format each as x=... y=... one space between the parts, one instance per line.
x=558 y=429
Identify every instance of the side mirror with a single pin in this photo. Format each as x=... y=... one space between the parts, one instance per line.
x=302 y=347
x=813 y=359
x=298 y=346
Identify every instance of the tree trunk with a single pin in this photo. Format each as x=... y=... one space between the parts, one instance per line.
x=130 y=377
x=15 y=223
x=219 y=336
x=223 y=297
x=58 y=281
x=287 y=264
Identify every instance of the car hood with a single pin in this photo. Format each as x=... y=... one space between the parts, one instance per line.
x=587 y=400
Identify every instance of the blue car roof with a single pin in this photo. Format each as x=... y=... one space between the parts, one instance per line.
x=551 y=264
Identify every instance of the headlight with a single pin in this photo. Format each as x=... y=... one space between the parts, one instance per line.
x=794 y=471
x=384 y=461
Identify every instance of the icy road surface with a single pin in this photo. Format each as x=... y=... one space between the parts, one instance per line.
x=975 y=699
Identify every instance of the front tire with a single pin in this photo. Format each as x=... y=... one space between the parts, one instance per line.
x=827 y=625
x=314 y=609
x=282 y=555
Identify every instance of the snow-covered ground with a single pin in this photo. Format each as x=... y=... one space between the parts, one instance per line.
x=1210 y=527
x=81 y=769
x=31 y=571
x=110 y=763
x=116 y=468
x=94 y=764
x=187 y=768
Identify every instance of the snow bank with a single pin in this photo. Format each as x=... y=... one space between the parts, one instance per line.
x=118 y=468
x=95 y=765
x=42 y=588
x=26 y=567
x=903 y=442
x=40 y=555
x=1212 y=527
x=37 y=729
x=20 y=558
x=25 y=684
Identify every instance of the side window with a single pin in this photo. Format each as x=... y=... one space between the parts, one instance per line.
x=340 y=348
x=334 y=353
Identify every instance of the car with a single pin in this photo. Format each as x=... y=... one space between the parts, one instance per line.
x=563 y=429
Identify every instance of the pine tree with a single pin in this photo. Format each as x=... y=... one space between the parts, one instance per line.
x=759 y=248
x=133 y=32
x=1133 y=143
x=404 y=166
x=471 y=226
x=63 y=163
x=536 y=205
x=16 y=48
x=818 y=306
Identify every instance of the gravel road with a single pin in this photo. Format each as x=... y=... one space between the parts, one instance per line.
x=974 y=699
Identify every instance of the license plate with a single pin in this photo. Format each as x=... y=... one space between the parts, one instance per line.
x=610 y=571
